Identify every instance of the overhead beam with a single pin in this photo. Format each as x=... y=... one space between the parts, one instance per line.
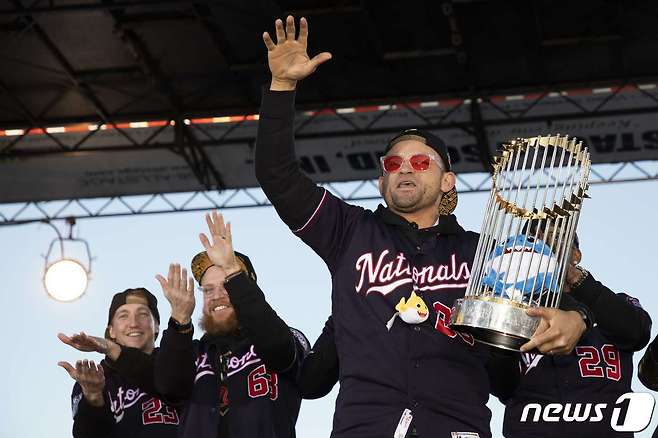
x=39 y=9
x=468 y=126
x=141 y=207
x=191 y=112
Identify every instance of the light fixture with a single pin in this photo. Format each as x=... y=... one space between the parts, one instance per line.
x=66 y=279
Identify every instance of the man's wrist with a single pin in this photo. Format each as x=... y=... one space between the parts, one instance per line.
x=113 y=350
x=94 y=398
x=181 y=318
x=232 y=275
x=282 y=85
x=231 y=270
x=179 y=326
x=586 y=317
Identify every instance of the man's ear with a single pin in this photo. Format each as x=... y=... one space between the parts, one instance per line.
x=156 y=329
x=576 y=256
x=111 y=332
x=448 y=181
x=380 y=184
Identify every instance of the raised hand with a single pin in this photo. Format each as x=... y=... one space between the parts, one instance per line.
x=558 y=333
x=178 y=288
x=90 y=377
x=288 y=60
x=220 y=251
x=83 y=342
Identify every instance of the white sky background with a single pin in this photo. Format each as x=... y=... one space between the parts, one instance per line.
x=617 y=233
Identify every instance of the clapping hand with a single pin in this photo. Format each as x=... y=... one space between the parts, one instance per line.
x=178 y=288
x=220 y=250
x=90 y=377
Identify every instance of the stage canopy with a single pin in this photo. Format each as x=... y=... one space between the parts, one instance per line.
x=107 y=99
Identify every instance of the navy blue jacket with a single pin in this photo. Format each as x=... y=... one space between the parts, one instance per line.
x=376 y=258
x=243 y=385
x=130 y=410
x=598 y=371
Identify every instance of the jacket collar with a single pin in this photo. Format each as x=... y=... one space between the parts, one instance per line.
x=447 y=225
x=224 y=342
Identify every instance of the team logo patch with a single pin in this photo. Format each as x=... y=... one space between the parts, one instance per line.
x=634 y=301
x=302 y=340
x=530 y=361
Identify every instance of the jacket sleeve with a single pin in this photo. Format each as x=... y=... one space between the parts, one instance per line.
x=294 y=196
x=319 y=371
x=321 y=220
x=620 y=317
x=90 y=421
x=272 y=338
x=647 y=369
x=504 y=373
x=569 y=303
x=174 y=368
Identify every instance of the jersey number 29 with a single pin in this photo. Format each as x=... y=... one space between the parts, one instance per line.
x=591 y=365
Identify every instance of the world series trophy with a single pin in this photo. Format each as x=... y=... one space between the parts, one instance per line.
x=529 y=225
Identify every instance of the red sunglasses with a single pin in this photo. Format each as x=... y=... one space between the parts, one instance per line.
x=419 y=162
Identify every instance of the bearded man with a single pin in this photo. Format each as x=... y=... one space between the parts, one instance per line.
x=240 y=378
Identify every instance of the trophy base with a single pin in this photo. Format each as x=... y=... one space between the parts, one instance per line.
x=494 y=321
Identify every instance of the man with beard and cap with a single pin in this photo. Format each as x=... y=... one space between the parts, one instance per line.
x=240 y=378
x=106 y=401
x=396 y=273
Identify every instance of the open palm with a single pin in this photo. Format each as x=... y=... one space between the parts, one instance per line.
x=288 y=59
x=220 y=249
x=89 y=375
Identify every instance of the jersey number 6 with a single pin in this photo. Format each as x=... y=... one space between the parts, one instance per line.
x=261 y=383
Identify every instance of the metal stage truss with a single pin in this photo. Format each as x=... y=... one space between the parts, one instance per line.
x=126 y=115
x=28 y=212
x=617 y=122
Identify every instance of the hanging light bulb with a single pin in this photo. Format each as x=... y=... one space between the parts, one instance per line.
x=66 y=279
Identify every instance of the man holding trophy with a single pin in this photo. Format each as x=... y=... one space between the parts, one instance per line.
x=396 y=274
x=597 y=372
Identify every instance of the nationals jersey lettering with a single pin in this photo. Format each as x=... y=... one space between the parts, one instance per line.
x=131 y=411
x=385 y=276
x=235 y=394
x=238 y=363
x=203 y=367
x=123 y=399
